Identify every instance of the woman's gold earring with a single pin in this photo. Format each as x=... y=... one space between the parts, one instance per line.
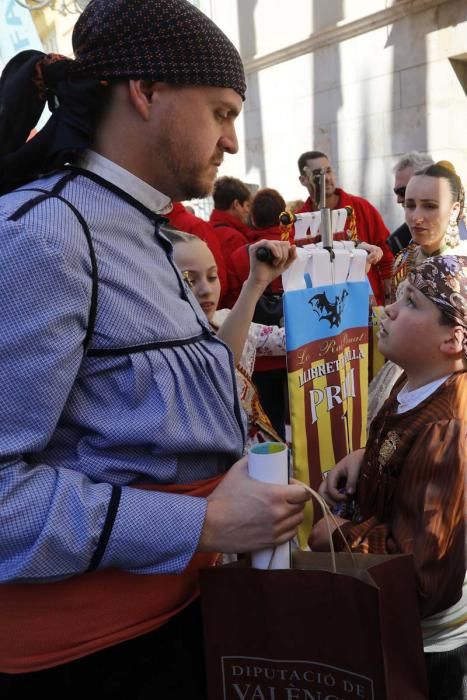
x=452 y=233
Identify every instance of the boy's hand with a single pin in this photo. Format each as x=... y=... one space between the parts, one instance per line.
x=261 y=273
x=319 y=539
x=343 y=475
x=245 y=515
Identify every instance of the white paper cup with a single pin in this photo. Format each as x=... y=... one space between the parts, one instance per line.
x=269 y=462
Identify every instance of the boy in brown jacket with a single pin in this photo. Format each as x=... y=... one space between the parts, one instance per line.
x=410 y=493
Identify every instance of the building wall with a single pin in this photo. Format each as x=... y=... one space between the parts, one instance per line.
x=55 y=28
x=363 y=81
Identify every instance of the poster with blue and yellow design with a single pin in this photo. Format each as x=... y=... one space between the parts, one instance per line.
x=327 y=364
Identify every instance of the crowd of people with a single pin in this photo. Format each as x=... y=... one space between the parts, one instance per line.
x=143 y=352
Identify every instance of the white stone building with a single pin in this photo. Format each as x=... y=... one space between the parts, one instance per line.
x=362 y=80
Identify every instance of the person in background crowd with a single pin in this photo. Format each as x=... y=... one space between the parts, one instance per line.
x=370 y=226
x=295 y=205
x=248 y=341
x=270 y=376
x=411 y=494
x=121 y=431
x=406 y=166
x=183 y=220
x=229 y=218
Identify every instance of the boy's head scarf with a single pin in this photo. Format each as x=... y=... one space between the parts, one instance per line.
x=162 y=40
x=443 y=279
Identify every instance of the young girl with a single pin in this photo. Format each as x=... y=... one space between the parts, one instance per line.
x=234 y=327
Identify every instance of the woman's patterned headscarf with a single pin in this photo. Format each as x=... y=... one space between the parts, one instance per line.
x=443 y=279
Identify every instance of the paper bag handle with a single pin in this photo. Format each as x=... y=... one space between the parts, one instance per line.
x=328 y=515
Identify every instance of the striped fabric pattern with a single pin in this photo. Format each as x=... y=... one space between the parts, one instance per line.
x=411 y=493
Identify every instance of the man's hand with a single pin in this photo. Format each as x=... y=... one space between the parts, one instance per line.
x=374 y=254
x=245 y=515
x=319 y=540
x=343 y=476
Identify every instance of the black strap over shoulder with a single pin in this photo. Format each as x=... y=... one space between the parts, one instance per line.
x=55 y=193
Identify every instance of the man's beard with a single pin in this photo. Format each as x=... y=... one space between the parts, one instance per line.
x=194 y=184
x=194 y=189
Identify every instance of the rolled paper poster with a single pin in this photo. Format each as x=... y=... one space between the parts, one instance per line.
x=269 y=462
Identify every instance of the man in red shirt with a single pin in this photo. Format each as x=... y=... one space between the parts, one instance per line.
x=369 y=223
x=229 y=218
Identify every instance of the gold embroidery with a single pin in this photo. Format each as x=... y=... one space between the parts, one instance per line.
x=388 y=448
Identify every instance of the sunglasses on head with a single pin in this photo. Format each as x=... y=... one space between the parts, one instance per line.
x=399 y=191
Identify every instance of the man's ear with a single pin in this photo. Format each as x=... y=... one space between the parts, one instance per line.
x=453 y=344
x=303 y=180
x=141 y=93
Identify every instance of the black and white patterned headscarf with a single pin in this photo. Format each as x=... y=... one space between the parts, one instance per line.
x=166 y=40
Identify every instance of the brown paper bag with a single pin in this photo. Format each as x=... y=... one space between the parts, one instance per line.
x=312 y=634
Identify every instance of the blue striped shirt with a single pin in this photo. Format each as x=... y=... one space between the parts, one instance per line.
x=153 y=400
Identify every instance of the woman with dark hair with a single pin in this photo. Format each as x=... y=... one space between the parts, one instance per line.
x=434 y=201
x=266 y=207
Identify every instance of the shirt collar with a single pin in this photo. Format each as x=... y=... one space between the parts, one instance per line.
x=410 y=399
x=151 y=198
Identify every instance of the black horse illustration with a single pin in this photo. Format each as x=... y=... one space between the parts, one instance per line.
x=327 y=311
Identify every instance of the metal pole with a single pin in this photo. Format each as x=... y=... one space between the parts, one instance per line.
x=326 y=221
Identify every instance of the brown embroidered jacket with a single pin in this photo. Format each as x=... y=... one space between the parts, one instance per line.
x=411 y=494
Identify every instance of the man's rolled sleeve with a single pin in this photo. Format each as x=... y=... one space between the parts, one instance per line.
x=154 y=532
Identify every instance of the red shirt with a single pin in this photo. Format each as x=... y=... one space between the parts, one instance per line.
x=371 y=229
x=230 y=232
x=183 y=220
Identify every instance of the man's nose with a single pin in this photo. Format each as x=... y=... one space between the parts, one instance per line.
x=228 y=141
